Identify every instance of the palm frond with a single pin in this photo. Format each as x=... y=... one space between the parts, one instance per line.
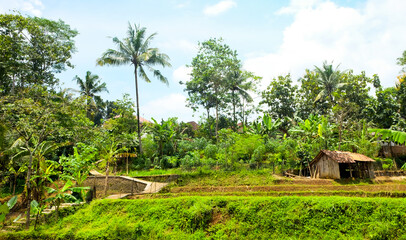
x=145 y=46
x=122 y=46
x=143 y=75
x=320 y=95
x=113 y=57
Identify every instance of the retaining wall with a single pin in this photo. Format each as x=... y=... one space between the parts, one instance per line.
x=116 y=184
x=390 y=173
x=160 y=178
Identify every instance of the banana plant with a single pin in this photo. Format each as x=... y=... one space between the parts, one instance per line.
x=59 y=195
x=6 y=207
x=266 y=126
x=108 y=154
x=324 y=131
x=77 y=166
x=390 y=135
x=164 y=134
x=36 y=209
x=16 y=174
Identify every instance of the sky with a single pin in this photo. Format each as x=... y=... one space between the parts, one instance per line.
x=271 y=38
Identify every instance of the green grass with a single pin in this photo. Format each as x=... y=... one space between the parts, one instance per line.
x=208 y=177
x=153 y=172
x=391 y=194
x=225 y=178
x=231 y=218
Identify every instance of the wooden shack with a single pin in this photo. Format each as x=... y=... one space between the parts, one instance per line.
x=337 y=164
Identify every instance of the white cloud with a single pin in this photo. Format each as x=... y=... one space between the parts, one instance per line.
x=32 y=7
x=173 y=105
x=182 y=73
x=219 y=7
x=369 y=39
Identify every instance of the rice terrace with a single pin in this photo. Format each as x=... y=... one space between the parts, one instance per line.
x=221 y=119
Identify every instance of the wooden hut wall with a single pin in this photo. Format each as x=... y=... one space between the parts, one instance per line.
x=326 y=168
x=371 y=170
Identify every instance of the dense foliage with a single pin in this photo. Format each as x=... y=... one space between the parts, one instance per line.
x=49 y=137
x=231 y=218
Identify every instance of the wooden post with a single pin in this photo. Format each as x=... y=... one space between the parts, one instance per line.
x=349 y=164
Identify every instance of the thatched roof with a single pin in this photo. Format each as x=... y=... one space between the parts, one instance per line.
x=194 y=125
x=343 y=157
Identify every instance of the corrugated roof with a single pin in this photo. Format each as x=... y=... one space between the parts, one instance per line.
x=343 y=157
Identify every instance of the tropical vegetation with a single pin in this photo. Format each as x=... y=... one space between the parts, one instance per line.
x=51 y=138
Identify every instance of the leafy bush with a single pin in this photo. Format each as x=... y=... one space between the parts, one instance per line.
x=210 y=151
x=149 y=147
x=258 y=156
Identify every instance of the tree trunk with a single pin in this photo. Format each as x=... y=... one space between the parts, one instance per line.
x=217 y=120
x=14 y=185
x=13 y=85
x=107 y=178
x=393 y=158
x=234 y=117
x=208 y=120
x=243 y=116
x=11 y=185
x=138 y=111
x=28 y=184
x=127 y=163
x=36 y=193
x=310 y=169
x=340 y=129
x=339 y=137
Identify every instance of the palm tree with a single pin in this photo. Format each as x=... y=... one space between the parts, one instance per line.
x=239 y=87
x=135 y=49
x=89 y=88
x=328 y=80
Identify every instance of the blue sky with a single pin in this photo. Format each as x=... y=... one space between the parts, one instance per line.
x=271 y=38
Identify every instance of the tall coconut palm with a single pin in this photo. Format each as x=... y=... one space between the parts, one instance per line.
x=239 y=87
x=328 y=80
x=135 y=50
x=89 y=87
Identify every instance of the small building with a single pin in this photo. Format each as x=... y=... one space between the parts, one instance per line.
x=392 y=150
x=337 y=164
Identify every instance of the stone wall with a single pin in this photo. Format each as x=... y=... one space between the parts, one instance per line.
x=393 y=151
x=116 y=184
x=390 y=173
x=160 y=178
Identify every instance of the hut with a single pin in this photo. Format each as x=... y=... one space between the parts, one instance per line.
x=337 y=164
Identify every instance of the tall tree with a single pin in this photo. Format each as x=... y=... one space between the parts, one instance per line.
x=208 y=86
x=402 y=61
x=329 y=80
x=135 y=49
x=36 y=116
x=308 y=91
x=32 y=50
x=280 y=98
x=89 y=87
x=401 y=86
x=239 y=84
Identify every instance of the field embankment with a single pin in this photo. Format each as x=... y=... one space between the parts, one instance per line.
x=231 y=218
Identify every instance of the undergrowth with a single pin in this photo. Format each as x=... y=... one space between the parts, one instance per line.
x=231 y=218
